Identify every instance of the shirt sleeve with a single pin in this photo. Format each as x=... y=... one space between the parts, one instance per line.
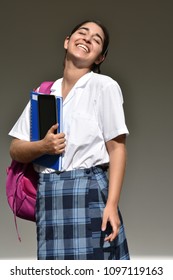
x=111 y=112
x=21 y=129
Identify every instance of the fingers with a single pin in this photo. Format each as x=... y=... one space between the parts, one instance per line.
x=60 y=135
x=104 y=223
x=53 y=128
x=54 y=143
x=112 y=235
x=59 y=143
x=114 y=225
x=60 y=147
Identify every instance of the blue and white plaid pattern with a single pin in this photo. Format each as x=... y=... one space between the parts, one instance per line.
x=69 y=217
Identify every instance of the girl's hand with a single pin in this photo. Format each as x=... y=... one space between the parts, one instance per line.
x=110 y=215
x=54 y=144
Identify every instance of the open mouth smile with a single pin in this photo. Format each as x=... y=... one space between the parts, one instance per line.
x=83 y=47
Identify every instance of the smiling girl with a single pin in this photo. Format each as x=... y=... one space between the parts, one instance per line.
x=77 y=213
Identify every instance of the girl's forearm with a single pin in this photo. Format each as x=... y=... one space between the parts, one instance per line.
x=117 y=154
x=24 y=151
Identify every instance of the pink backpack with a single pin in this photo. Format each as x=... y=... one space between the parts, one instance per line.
x=21 y=182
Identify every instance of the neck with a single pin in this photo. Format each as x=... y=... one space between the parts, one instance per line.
x=70 y=76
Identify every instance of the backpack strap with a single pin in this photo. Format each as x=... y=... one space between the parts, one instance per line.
x=45 y=87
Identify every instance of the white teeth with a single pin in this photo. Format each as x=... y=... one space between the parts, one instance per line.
x=83 y=47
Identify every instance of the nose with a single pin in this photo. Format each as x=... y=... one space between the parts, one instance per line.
x=87 y=38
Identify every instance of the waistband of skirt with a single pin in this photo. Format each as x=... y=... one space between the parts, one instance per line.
x=72 y=174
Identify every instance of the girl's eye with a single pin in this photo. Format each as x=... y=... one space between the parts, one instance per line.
x=97 y=41
x=81 y=33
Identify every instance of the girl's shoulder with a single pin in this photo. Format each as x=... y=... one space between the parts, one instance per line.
x=103 y=80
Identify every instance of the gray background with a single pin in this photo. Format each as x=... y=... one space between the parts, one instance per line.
x=141 y=60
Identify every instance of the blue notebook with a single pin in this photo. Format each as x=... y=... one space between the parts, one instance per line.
x=38 y=121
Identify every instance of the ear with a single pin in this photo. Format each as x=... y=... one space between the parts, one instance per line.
x=66 y=42
x=100 y=59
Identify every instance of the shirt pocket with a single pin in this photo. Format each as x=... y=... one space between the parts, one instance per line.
x=83 y=129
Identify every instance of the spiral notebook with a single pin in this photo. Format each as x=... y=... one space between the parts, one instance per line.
x=46 y=110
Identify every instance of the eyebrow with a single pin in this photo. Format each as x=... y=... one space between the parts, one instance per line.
x=87 y=29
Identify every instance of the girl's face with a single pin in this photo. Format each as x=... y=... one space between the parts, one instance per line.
x=84 y=46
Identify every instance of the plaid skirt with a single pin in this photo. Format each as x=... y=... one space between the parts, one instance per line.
x=69 y=216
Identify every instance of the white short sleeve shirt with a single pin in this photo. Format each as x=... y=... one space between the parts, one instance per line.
x=92 y=115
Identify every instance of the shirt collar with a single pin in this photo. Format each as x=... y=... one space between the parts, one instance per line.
x=83 y=80
x=80 y=83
